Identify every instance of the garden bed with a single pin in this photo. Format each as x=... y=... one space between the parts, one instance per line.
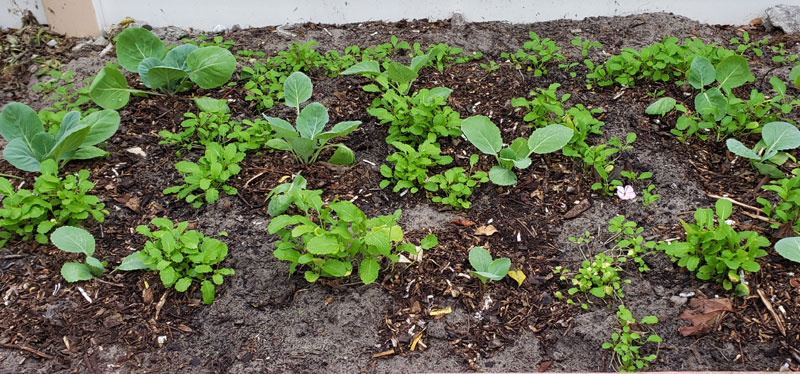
x=264 y=320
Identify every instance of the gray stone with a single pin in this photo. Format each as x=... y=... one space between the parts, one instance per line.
x=170 y=33
x=80 y=46
x=100 y=41
x=678 y=300
x=457 y=21
x=281 y=30
x=785 y=17
x=52 y=43
x=219 y=28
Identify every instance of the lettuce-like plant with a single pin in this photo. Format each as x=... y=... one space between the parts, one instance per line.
x=485 y=135
x=306 y=140
x=29 y=144
x=486 y=268
x=775 y=137
x=77 y=240
x=177 y=70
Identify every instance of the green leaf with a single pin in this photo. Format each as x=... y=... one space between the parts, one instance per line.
x=19 y=121
x=364 y=67
x=701 y=72
x=739 y=149
x=661 y=106
x=342 y=156
x=183 y=284
x=323 y=245
x=711 y=102
x=502 y=176
x=400 y=74
x=483 y=134
x=335 y=268
x=789 y=248
x=649 y=320
x=340 y=129
x=144 y=68
x=368 y=270
x=499 y=268
x=210 y=67
x=109 y=89
x=311 y=277
x=480 y=259
x=176 y=57
x=429 y=242
x=103 y=124
x=133 y=261
x=549 y=138
x=136 y=44
x=724 y=207
x=733 y=72
x=779 y=136
x=87 y=153
x=347 y=211
x=95 y=266
x=165 y=77
x=208 y=290
x=73 y=240
x=18 y=154
x=75 y=272
x=212 y=105
x=312 y=120
x=297 y=89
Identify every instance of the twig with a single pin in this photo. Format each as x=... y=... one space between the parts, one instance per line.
x=253 y=178
x=741 y=204
x=11 y=257
x=27 y=349
x=772 y=311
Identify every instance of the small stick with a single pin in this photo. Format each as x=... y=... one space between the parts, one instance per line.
x=741 y=204
x=253 y=178
x=772 y=311
x=27 y=349
x=755 y=216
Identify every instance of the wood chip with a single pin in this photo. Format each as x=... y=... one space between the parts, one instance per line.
x=577 y=210
x=487 y=230
x=775 y=316
x=441 y=311
x=463 y=222
x=384 y=354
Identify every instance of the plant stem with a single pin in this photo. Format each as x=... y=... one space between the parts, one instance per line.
x=11 y=176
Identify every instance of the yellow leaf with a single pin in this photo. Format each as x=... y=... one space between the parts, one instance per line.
x=416 y=340
x=436 y=312
x=518 y=276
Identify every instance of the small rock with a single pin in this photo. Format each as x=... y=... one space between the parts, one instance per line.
x=100 y=41
x=457 y=20
x=281 y=30
x=79 y=46
x=678 y=300
x=686 y=294
x=785 y=17
x=219 y=28
x=137 y=151
x=33 y=69
x=161 y=340
x=172 y=33
x=238 y=322
x=571 y=189
x=52 y=43
x=236 y=27
x=576 y=31
x=106 y=50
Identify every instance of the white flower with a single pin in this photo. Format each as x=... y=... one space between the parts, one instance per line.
x=626 y=193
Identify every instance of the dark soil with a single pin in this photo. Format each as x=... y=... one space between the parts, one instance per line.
x=267 y=321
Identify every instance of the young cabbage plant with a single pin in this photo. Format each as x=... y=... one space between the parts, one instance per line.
x=396 y=76
x=767 y=154
x=29 y=144
x=177 y=70
x=306 y=140
x=487 y=269
x=76 y=240
x=485 y=135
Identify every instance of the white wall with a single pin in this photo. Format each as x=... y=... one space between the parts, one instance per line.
x=185 y=13
x=11 y=12
x=205 y=14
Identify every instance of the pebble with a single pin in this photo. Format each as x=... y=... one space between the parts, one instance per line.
x=686 y=294
x=457 y=20
x=678 y=300
x=219 y=28
x=100 y=41
x=52 y=43
x=281 y=30
x=106 y=50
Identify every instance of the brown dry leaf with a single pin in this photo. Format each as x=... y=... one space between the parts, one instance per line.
x=462 y=222
x=795 y=282
x=133 y=204
x=185 y=328
x=487 y=230
x=544 y=366
x=147 y=296
x=704 y=314
x=577 y=210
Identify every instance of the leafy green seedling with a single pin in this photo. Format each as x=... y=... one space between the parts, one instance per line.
x=140 y=51
x=627 y=342
x=29 y=144
x=485 y=135
x=487 y=269
x=789 y=248
x=775 y=137
x=76 y=240
x=397 y=77
x=181 y=257
x=204 y=179
x=284 y=195
x=306 y=140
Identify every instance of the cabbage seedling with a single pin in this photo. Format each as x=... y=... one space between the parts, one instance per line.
x=775 y=137
x=485 y=268
x=77 y=240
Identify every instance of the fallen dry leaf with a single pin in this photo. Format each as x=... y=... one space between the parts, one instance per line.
x=441 y=311
x=462 y=222
x=576 y=210
x=704 y=314
x=184 y=328
x=544 y=366
x=133 y=204
x=518 y=276
x=487 y=230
